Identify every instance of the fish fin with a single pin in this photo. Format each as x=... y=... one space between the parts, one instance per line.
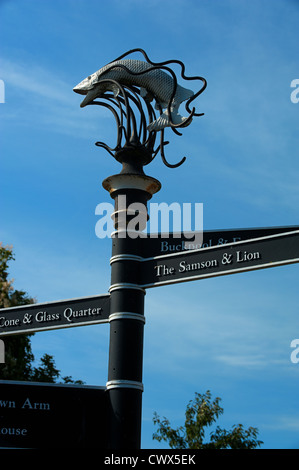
x=145 y=94
x=160 y=123
x=164 y=121
x=98 y=91
x=92 y=94
x=185 y=94
x=160 y=106
x=114 y=89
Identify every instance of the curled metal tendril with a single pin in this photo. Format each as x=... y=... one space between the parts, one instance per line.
x=132 y=133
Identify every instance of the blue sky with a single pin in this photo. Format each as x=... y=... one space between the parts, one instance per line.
x=231 y=334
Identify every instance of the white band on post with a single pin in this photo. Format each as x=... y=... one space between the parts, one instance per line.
x=126 y=316
x=126 y=285
x=124 y=384
x=125 y=258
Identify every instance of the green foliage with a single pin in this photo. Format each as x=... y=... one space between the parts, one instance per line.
x=200 y=414
x=18 y=353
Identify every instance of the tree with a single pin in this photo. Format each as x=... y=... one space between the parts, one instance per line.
x=18 y=353
x=200 y=414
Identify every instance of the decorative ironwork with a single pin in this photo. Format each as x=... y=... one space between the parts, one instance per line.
x=130 y=103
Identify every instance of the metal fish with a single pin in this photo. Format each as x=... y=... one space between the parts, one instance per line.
x=154 y=83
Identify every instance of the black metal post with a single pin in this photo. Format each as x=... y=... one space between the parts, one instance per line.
x=137 y=127
x=127 y=309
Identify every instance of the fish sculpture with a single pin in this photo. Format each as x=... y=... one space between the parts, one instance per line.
x=154 y=83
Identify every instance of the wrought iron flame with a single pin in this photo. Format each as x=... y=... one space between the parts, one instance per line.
x=132 y=132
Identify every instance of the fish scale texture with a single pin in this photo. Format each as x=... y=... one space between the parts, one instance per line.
x=158 y=82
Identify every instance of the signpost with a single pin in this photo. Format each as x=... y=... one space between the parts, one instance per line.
x=53 y=315
x=47 y=416
x=165 y=244
x=38 y=415
x=231 y=258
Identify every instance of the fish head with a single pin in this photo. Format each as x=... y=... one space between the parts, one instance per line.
x=90 y=89
x=83 y=87
x=95 y=90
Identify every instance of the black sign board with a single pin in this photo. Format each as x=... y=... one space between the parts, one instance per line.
x=165 y=244
x=37 y=415
x=259 y=253
x=53 y=315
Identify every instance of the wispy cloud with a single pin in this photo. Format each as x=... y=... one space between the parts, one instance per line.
x=32 y=78
x=233 y=336
x=283 y=422
x=37 y=96
x=251 y=361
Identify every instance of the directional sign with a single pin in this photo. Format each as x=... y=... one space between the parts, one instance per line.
x=37 y=415
x=165 y=244
x=53 y=315
x=258 y=253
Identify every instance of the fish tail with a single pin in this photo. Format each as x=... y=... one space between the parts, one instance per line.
x=164 y=121
x=160 y=123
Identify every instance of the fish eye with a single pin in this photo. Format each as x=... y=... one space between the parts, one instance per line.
x=89 y=77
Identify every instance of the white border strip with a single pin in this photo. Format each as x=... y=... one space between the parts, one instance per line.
x=57 y=302
x=46 y=384
x=177 y=235
x=57 y=327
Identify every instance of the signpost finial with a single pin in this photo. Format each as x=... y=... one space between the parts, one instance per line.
x=128 y=87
